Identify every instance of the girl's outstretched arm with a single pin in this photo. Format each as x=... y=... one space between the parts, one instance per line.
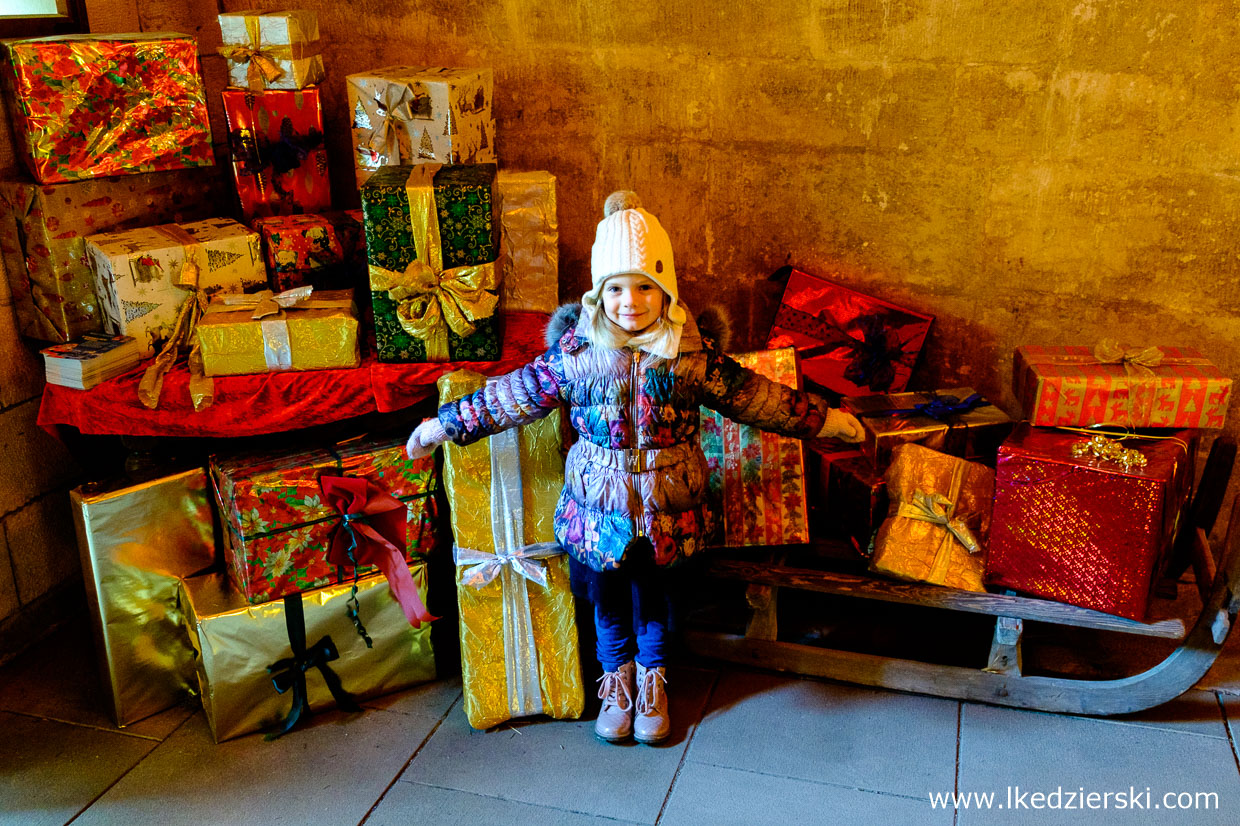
x=520 y=397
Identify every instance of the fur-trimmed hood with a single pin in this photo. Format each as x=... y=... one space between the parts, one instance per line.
x=711 y=322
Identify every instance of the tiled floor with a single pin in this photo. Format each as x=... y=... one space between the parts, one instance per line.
x=748 y=748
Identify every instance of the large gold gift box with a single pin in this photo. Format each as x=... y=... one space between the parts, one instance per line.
x=316 y=333
x=236 y=642
x=519 y=654
x=529 y=242
x=938 y=521
x=137 y=543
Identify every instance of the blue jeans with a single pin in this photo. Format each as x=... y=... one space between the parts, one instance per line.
x=633 y=622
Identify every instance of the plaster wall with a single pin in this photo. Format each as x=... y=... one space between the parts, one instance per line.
x=1032 y=172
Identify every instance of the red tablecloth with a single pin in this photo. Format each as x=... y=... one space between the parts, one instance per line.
x=272 y=402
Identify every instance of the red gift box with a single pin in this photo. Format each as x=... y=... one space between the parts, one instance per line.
x=281 y=523
x=279 y=161
x=326 y=251
x=1082 y=530
x=848 y=341
x=757 y=479
x=1126 y=387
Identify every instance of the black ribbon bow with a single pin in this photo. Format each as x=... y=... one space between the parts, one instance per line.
x=290 y=672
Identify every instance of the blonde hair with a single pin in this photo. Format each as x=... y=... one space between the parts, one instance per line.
x=661 y=339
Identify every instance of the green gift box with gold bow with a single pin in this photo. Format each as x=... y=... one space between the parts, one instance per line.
x=432 y=239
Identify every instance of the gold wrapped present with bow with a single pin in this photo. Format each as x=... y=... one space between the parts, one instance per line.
x=404 y=115
x=432 y=237
x=1110 y=384
x=519 y=653
x=272 y=49
x=297 y=329
x=938 y=520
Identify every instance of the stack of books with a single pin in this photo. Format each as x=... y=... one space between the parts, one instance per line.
x=94 y=359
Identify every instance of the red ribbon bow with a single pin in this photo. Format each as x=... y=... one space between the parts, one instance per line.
x=373 y=529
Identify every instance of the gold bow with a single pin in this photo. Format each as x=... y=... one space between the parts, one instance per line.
x=1139 y=360
x=1109 y=450
x=937 y=509
x=261 y=68
x=201 y=386
x=395 y=110
x=266 y=303
x=428 y=304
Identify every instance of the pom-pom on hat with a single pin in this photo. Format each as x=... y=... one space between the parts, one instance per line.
x=630 y=241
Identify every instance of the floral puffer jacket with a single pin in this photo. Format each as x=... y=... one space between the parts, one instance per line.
x=638 y=468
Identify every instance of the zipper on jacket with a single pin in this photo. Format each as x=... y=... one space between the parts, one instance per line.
x=635 y=465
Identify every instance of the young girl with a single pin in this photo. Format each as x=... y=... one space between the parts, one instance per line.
x=633 y=366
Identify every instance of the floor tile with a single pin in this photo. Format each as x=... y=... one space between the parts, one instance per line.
x=1193 y=712
x=1231 y=714
x=810 y=730
x=57 y=678
x=414 y=803
x=1005 y=748
x=49 y=771
x=329 y=772
x=721 y=797
x=560 y=764
x=1224 y=675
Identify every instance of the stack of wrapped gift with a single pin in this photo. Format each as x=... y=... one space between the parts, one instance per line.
x=140 y=274
x=849 y=342
x=1087 y=520
x=137 y=542
x=519 y=654
x=431 y=243
x=77 y=131
x=275 y=113
x=757 y=478
x=404 y=115
x=325 y=552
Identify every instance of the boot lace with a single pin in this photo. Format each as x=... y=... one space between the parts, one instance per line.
x=613 y=686
x=650 y=694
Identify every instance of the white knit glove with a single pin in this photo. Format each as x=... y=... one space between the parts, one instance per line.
x=842 y=425
x=425 y=438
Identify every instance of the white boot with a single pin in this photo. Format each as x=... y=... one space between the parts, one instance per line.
x=615 y=718
x=651 y=724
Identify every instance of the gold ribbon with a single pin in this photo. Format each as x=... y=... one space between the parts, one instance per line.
x=429 y=299
x=1108 y=450
x=395 y=110
x=262 y=68
x=201 y=387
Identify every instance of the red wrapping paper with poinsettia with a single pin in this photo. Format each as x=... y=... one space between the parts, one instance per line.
x=301 y=520
x=279 y=161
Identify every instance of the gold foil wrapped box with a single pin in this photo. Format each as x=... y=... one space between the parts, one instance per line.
x=235 y=642
x=272 y=49
x=529 y=242
x=316 y=333
x=938 y=519
x=957 y=421
x=519 y=652
x=137 y=543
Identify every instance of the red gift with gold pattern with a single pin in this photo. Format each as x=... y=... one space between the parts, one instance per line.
x=1089 y=530
x=93 y=106
x=1122 y=386
x=281 y=523
x=279 y=161
x=848 y=341
x=757 y=479
x=326 y=251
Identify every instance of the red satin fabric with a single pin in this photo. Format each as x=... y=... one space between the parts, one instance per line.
x=273 y=402
x=380 y=539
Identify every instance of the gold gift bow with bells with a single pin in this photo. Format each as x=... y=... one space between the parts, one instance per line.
x=261 y=67
x=937 y=509
x=429 y=299
x=201 y=387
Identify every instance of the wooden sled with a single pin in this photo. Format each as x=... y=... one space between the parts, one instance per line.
x=1001 y=682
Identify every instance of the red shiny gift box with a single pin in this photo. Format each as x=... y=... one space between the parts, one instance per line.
x=281 y=523
x=279 y=161
x=326 y=251
x=1084 y=530
x=848 y=341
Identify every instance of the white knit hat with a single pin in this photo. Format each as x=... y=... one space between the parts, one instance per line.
x=630 y=241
